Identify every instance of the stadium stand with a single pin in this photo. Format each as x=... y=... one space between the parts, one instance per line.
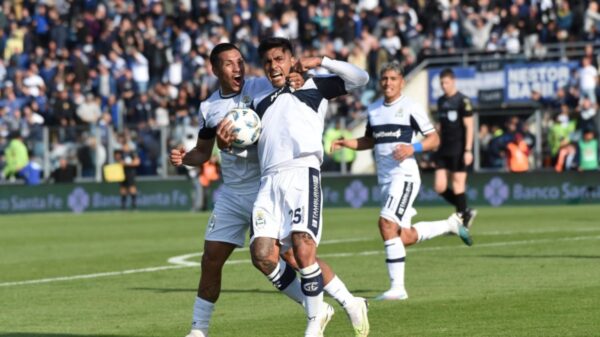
x=74 y=74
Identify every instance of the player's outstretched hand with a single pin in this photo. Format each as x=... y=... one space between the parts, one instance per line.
x=336 y=145
x=176 y=156
x=306 y=63
x=403 y=151
x=295 y=80
x=225 y=134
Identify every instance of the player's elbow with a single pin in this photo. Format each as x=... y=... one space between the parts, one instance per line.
x=363 y=79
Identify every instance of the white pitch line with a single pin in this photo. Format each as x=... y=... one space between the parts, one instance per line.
x=86 y=276
x=187 y=264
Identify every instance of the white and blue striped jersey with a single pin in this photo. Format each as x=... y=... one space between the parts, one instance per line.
x=393 y=124
x=293 y=120
x=240 y=170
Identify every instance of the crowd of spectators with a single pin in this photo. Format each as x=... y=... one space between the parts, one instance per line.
x=90 y=68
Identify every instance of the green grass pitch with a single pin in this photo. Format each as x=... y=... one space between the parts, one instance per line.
x=533 y=271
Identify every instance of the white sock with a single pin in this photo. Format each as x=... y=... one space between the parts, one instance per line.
x=395 y=254
x=312 y=287
x=203 y=310
x=430 y=229
x=337 y=289
x=284 y=279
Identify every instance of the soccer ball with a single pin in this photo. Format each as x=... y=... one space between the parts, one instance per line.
x=246 y=126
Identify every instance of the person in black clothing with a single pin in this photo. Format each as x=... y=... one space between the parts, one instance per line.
x=130 y=161
x=455 y=154
x=64 y=173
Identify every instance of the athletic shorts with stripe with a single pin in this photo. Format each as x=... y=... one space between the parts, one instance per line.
x=230 y=219
x=288 y=201
x=398 y=198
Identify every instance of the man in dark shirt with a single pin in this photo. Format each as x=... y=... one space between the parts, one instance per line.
x=64 y=173
x=129 y=159
x=455 y=154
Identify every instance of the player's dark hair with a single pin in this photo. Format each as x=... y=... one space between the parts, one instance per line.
x=394 y=65
x=272 y=43
x=447 y=73
x=218 y=49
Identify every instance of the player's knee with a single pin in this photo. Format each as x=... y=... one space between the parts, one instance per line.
x=387 y=228
x=263 y=258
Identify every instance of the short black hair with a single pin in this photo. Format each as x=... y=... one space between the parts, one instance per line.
x=447 y=73
x=218 y=49
x=274 y=42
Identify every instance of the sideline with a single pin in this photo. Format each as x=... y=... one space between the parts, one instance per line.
x=179 y=262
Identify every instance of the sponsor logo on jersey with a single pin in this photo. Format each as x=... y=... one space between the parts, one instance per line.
x=274 y=96
x=382 y=134
x=452 y=115
x=316 y=201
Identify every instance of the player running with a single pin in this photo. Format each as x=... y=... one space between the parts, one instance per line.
x=287 y=211
x=231 y=216
x=392 y=123
x=455 y=154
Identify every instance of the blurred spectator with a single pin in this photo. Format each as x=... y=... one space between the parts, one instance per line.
x=89 y=111
x=64 y=173
x=517 y=154
x=333 y=161
x=588 y=78
x=587 y=114
x=16 y=157
x=588 y=151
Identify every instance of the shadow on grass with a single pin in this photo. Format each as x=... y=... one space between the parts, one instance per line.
x=41 y=334
x=557 y=256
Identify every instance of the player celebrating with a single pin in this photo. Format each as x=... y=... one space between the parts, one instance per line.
x=231 y=216
x=455 y=153
x=392 y=123
x=287 y=211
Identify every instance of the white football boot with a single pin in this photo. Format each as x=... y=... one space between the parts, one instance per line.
x=357 y=313
x=393 y=295
x=321 y=320
x=198 y=333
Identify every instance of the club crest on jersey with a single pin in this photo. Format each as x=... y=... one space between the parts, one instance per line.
x=400 y=113
x=245 y=101
x=452 y=115
x=259 y=220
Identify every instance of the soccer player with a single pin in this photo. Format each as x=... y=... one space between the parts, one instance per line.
x=455 y=154
x=392 y=123
x=231 y=216
x=287 y=211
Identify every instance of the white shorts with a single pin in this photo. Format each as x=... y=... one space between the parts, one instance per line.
x=288 y=201
x=231 y=218
x=398 y=197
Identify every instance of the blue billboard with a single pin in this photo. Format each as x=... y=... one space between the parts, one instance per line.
x=517 y=81
x=545 y=78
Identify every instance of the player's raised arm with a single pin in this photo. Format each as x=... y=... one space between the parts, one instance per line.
x=352 y=76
